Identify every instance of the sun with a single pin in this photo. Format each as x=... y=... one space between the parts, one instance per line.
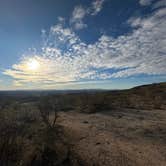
x=33 y=65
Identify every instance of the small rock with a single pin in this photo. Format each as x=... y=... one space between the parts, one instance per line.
x=85 y=122
x=98 y=143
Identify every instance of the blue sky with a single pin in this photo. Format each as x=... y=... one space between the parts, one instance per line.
x=110 y=44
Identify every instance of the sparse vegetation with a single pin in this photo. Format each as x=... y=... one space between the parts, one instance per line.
x=56 y=129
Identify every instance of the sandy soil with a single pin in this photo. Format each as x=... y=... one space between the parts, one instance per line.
x=116 y=138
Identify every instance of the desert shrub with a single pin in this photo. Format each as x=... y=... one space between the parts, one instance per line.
x=30 y=136
x=90 y=103
x=11 y=137
x=51 y=137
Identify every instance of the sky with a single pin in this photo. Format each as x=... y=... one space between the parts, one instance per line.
x=82 y=44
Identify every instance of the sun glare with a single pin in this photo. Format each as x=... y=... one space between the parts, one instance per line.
x=33 y=65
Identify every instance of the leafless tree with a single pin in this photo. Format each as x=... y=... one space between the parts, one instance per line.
x=49 y=108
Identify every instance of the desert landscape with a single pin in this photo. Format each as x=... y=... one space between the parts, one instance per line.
x=84 y=128
x=82 y=82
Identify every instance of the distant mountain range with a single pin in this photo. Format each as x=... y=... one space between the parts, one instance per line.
x=142 y=97
x=153 y=87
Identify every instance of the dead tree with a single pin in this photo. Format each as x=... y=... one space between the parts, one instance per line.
x=49 y=108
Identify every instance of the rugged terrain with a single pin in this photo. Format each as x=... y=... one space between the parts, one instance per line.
x=84 y=128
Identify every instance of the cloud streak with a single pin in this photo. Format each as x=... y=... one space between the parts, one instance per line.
x=145 y=2
x=65 y=58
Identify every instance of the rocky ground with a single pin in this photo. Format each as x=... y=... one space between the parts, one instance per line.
x=116 y=138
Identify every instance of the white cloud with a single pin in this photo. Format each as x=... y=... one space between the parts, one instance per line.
x=65 y=58
x=61 y=19
x=145 y=2
x=77 y=17
x=80 y=12
x=97 y=6
x=159 y=4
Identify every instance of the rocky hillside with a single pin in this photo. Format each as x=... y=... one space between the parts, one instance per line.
x=142 y=97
